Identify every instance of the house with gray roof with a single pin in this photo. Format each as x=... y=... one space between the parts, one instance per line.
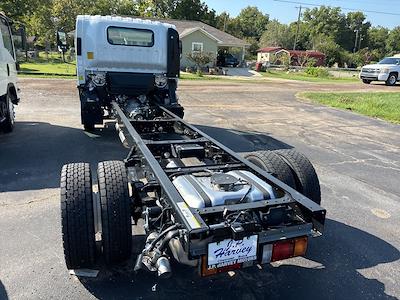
x=197 y=36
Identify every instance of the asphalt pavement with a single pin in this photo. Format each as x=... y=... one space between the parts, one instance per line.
x=357 y=159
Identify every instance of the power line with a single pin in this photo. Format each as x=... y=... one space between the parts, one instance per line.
x=344 y=8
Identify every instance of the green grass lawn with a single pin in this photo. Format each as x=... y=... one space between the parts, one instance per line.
x=382 y=105
x=48 y=68
x=304 y=77
x=46 y=65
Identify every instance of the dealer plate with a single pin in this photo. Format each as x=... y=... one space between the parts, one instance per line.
x=229 y=252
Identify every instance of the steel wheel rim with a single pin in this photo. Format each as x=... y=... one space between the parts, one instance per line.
x=392 y=79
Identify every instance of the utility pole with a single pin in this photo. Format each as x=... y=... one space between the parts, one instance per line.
x=298 y=28
x=226 y=19
x=355 y=43
x=360 y=40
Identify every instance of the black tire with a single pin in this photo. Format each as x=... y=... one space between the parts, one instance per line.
x=77 y=219
x=7 y=109
x=271 y=162
x=115 y=211
x=89 y=127
x=392 y=79
x=366 y=81
x=307 y=182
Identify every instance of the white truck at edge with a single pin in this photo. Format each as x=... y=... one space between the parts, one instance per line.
x=387 y=70
x=8 y=76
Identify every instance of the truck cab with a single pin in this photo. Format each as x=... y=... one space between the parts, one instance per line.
x=8 y=76
x=131 y=61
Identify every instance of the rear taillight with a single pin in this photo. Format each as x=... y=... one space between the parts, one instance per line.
x=289 y=248
x=282 y=250
x=300 y=246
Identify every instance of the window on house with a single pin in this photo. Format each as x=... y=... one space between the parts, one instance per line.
x=197 y=47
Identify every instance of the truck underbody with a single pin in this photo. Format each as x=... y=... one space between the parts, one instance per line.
x=201 y=203
x=166 y=149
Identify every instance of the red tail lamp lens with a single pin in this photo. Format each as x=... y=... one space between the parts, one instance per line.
x=282 y=250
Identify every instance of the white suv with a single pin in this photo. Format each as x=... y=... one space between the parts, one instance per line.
x=388 y=70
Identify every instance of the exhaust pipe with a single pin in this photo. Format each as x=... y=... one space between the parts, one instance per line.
x=163 y=268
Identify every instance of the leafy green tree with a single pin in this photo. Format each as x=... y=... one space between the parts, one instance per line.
x=222 y=21
x=393 y=41
x=333 y=52
x=177 y=9
x=41 y=24
x=377 y=37
x=276 y=34
x=327 y=21
x=355 y=21
x=18 y=9
x=304 y=36
x=252 y=22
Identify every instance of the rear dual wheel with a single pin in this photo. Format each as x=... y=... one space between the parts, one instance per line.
x=77 y=214
x=115 y=211
x=306 y=178
x=272 y=163
x=290 y=167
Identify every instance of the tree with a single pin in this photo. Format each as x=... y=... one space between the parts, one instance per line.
x=277 y=35
x=222 y=21
x=327 y=21
x=18 y=9
x=332 y=51
x=177 y=9
x=41 y=25
x=64 y=12
x=377 y=37
x=355 y=21
x=252 y=22
x=303 y=41
x=393 y=41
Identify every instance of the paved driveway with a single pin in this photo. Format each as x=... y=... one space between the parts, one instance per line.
x=357 y=159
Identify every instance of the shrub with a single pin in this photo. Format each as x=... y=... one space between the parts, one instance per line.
x=200 y=59
x=317 y=72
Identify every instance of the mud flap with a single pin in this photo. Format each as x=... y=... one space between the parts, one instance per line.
x=91 y=111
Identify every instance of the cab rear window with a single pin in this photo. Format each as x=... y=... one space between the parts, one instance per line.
x=130 y=36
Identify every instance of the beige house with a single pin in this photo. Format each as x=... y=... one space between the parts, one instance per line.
x=267 y=54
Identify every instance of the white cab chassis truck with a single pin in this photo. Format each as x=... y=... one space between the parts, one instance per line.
x=200 y=203
x=8 y=76
x=132 y=61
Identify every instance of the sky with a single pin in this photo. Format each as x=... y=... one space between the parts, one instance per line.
x=287 y=12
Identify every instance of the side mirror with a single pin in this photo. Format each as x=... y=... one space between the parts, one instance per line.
x=62 y=40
